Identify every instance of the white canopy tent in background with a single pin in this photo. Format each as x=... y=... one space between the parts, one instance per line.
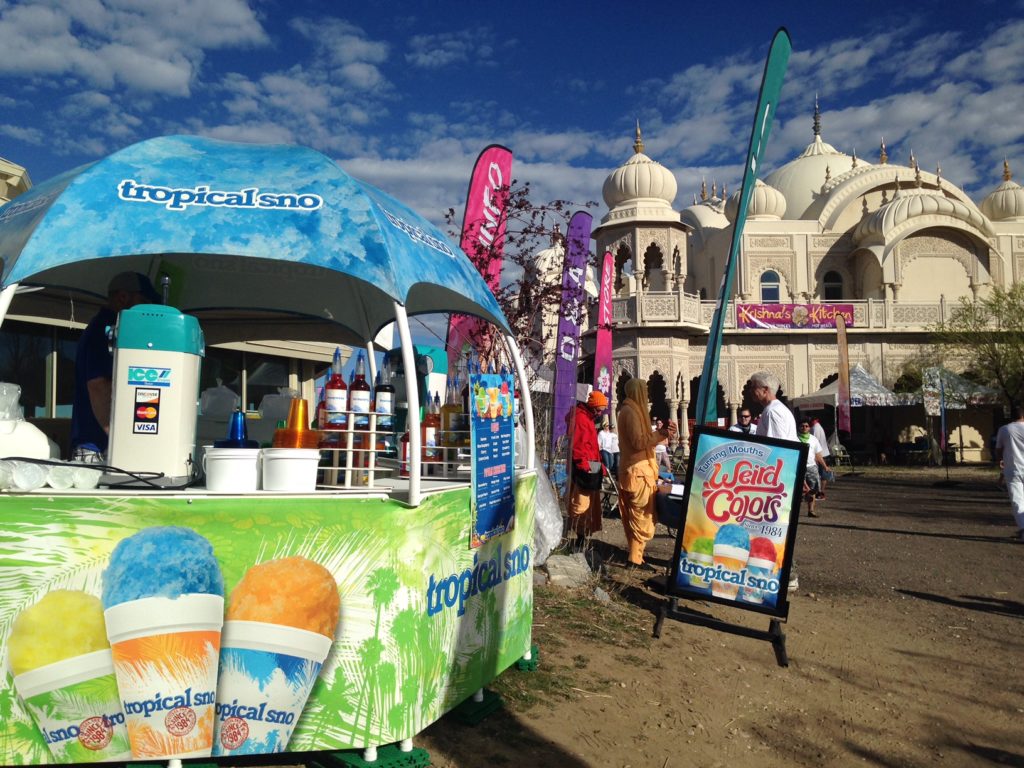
x=865 y=389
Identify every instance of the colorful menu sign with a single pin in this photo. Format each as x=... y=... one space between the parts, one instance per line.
x=492 y=430
x=790 y=316
x=740 y=507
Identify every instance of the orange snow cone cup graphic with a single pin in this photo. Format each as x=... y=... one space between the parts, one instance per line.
x=165 y=658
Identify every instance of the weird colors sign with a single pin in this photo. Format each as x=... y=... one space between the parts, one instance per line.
x=740 y=509
x=790 y=316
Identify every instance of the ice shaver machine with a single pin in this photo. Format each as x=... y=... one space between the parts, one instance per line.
x=157 y=354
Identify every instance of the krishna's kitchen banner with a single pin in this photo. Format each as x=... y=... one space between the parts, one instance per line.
x=740 y=507
x=790 y=316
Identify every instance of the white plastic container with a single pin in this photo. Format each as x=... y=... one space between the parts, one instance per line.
x=231 y=470
x=290 y=469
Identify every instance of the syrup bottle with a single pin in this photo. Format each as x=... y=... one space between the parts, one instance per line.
x=384 y=405
x=430 y=428
x=336 y=396
x=450 y=411
x=359 y=396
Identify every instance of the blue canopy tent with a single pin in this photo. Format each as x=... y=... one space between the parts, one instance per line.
x=256 y=241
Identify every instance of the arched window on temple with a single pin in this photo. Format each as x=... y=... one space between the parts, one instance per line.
x=771 y=288
x=832 y=286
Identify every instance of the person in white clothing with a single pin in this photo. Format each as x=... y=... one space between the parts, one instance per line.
x=661 y=449
x=744 y=425
x=819 y=434
x=1010 y=455
x=608 y=445
x=815 y=458
x=776 y=421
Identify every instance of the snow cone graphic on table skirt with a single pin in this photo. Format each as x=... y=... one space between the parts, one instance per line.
x=164 y=600
x=63 y=671
x=280 y=627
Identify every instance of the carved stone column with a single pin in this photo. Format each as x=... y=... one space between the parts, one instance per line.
x=733 y=413
x=684 y=427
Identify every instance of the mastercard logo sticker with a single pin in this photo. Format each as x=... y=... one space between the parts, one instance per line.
x=145 y=412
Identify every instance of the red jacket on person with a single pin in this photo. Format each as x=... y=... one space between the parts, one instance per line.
x=584 y=438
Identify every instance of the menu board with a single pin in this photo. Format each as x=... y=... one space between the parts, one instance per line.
x=740 y=507
x=492 y=429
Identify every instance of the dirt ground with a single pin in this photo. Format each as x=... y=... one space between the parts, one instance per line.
x=906 y=646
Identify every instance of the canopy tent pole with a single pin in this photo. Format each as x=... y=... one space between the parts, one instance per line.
x=371 y=365
x=412 y=398
x=526 y=405
x=6 y=296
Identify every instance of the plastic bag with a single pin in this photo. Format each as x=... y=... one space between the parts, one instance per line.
x=275 y=407
x=547 y=531
x=218 y=402
x=10 y=402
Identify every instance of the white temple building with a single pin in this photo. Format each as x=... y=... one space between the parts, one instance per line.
x=894 y=245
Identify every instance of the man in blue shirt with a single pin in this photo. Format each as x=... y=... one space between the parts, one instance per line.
x=94 y=367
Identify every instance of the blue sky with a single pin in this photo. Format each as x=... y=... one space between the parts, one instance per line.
x=405 y=94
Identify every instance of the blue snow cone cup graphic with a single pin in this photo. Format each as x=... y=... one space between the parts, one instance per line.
x=266 y=674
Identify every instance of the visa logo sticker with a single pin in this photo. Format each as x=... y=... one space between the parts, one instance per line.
x=145 y=427
x=153 y=377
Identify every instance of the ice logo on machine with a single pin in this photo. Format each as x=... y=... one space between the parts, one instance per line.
x=149 y=377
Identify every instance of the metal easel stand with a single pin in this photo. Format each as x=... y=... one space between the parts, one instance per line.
x=774 y=634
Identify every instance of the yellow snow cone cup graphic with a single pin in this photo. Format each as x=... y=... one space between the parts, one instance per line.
x=165 y=656
x=60 y=658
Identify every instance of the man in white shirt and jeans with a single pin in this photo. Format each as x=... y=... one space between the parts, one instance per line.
x=1010 y=455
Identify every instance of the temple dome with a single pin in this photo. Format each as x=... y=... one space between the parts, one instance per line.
x=1006 y=201
x=766 y=202
x=640 y=177
x=907 y=204
x=800 y=180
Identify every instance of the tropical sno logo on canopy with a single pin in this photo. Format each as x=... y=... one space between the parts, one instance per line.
x=180 y=198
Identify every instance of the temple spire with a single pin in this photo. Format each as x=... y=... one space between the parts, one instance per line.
x=817 y=117
x=853 y=163
x=883 y=156
x=938 y=176
x=638 y=145
x=1006 y=170
x=703 y=188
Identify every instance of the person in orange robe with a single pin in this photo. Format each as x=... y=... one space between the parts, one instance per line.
x=638 y=470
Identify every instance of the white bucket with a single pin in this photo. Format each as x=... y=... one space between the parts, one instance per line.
x=231 y=470
x=290 y=469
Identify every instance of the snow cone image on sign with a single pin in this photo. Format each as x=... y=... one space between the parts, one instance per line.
x=280 y=626
x=63 y=671
x=164 y=598
x=737 y=519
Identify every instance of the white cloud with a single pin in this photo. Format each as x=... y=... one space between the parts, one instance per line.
x=342 y=42
x=150 y=47
x=450 y=48
x=28 y=135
